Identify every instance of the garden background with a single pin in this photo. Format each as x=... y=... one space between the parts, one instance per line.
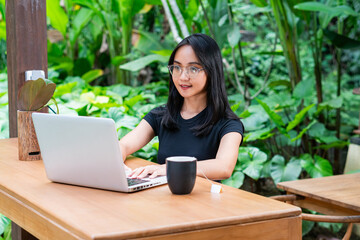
x=290 y=65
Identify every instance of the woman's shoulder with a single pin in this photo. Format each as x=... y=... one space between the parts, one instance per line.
x=232 y=123
x=160 y=111
x=156 y=113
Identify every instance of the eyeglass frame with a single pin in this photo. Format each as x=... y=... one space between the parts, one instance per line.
x=186 y=68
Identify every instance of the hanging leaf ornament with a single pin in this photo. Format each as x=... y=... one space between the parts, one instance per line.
x=35 y=94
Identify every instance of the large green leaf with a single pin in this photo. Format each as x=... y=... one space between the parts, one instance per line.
x=304 y=89
x=334 y=144
x=64 y=89
x=321 y=7
x=341 y=41
x=335 y=227
x=260 y=3
x=280 y=171
x=253 y=10
x=273 y=116
x=34 y=94
x=236 y=180
x=120 y=89
x=259 y=134
x=317 y=167
x=303 y=131
x=280 y=100
x=323 y=135
x=331 y=104
x=89 y=4
x=2 y=9
x=233 y=36
x=255 y=121
x=57 y=15
x=132 y=101
x=307 y=226
x=92 y=75
x=327 y=12
x=314 y=7
x=4 y=222
x=298 y=118
x=147 y=42
x=250 y=161
x=3 y=30
x=143 y=62
x=81 y=19
x=127 y=10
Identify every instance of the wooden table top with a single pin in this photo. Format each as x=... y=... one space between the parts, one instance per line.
x=340 y=190
x=79 y=212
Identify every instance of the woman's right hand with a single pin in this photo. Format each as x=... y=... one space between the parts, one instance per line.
x=152 y=170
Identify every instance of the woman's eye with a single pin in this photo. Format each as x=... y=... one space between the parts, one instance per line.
x=177 y=69
x=193 y=69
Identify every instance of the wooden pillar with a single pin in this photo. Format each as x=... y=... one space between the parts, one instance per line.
x=26 y=50
x=26 y=47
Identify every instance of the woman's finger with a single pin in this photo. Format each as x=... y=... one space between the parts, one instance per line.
x=154 y=174
x=137 y=172
x=146 y=172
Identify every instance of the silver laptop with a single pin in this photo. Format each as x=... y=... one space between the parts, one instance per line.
x=85 y=151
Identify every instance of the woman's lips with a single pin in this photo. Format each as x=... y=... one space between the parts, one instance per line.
x=185 y=86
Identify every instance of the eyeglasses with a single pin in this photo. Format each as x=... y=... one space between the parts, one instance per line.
x=191 y=71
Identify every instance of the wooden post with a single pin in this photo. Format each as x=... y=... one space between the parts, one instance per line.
x=26 y=50
x=26 y=47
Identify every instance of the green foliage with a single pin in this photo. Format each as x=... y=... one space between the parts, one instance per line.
x=282 y=171
x=236 y=180
x=341 y=41
x=307 y=226
x=2 y=21
x=58 y=19
x=317 y=166
x=4 y=115
x=140 y=63
x=5 y=228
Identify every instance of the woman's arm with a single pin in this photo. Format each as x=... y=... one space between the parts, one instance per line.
x=136 y=139
x=216 y=169
x=226 y=157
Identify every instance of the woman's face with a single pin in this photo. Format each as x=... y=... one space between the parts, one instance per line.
x=188 y=74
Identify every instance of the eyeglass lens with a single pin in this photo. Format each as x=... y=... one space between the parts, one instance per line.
x=191 y=71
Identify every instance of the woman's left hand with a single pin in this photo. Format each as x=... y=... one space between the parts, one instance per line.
x=152 y=170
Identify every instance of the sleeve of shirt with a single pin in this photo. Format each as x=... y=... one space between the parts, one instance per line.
x=232 y=125
x=154 y=119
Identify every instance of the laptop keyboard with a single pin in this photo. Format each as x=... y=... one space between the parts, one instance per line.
x=134 y=181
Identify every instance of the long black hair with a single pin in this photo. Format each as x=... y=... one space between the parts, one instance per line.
x=209 y=55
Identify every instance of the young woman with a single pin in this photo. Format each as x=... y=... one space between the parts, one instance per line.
x=197 y=120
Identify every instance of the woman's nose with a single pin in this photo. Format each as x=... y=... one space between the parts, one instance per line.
x=184 y=74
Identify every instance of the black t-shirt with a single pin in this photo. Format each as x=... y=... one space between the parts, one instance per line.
x=183 y=142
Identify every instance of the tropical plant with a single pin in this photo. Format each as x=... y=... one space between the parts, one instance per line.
x=319 y=27
x=2 y=35
x=106 y=26
x=5 y=228
x=4 y=115
x=35 y=94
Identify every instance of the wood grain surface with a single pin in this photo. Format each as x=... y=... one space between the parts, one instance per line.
x=28 y=145
x=339 y=191
x=57 y=211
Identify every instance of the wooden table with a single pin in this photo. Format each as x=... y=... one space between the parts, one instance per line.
x=58 y=211
x=334 y=195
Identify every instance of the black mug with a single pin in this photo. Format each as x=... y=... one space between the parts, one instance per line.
x=181 y=174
